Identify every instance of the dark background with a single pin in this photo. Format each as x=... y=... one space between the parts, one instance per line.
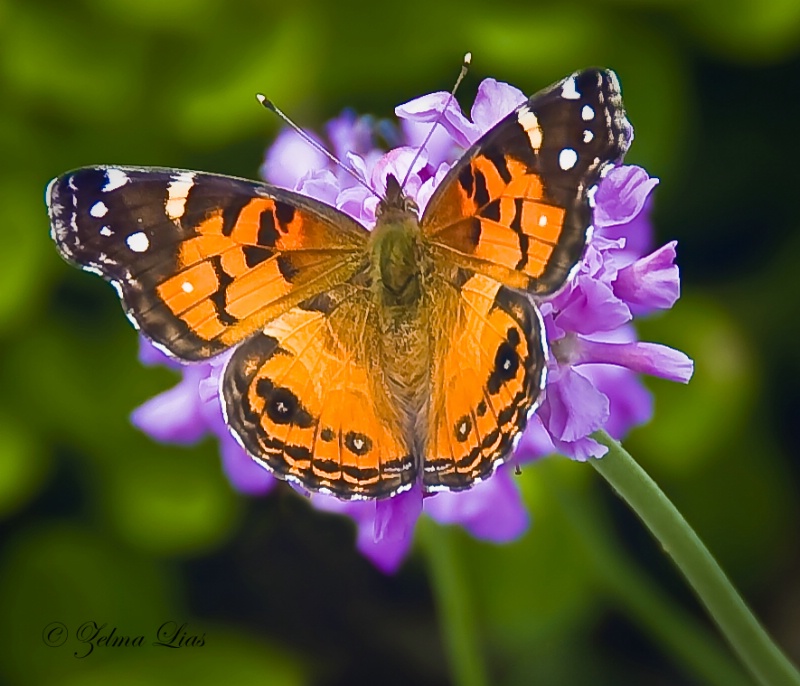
x=101 y=524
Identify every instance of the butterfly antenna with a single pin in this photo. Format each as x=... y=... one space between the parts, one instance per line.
x=464 y=68
x=269 y=105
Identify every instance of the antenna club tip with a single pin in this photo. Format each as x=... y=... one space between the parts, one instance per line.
x=265 y=101
x=468 y=58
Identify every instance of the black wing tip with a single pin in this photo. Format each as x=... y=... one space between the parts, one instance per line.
x=610 y=91
x=61 y=198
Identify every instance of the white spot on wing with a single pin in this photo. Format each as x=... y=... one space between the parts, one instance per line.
x=187 y=287
x=543 y=220
x=105 y=231
x=569 y=91
x=115 y=178
x=177 y=193
x=587 y=136
x=590 y=193
x=567 y=159
x=528 y=121
x=138 y=242
x=587 y=113
x=99 y=209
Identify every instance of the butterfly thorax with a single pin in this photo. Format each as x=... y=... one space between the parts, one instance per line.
x=394 y=249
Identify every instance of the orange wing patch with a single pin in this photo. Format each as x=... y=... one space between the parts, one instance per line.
x=303 y=401
x=494 y=219
x=231 y=278
x=487 y=377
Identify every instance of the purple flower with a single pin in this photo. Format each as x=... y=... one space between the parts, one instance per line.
x=595 y=361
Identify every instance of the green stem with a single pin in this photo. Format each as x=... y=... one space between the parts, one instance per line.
x=669 y=626
x=455 y=611
x=751 y=643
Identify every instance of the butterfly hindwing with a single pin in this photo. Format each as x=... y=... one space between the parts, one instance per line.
x=517 y=204
x=304 y=397
x=201 y=261
x=487 y=377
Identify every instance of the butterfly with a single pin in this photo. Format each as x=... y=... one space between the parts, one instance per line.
x=364 y=362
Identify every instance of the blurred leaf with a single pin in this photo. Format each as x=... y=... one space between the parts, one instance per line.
x=78 y=64
x=747 y=30
x=157 y=16
x=165 y=499
x=216 y=103
x=718 y=397
x=744 y=519
x=538 y=587
x=25 y=275
x=22 y=463
x=171 y=500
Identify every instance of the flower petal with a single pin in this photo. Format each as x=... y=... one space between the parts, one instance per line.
x=494 y=101
x=290 y=158
x=582 y=449
x=395 y=517
x=397 y=162
x=588 y=306
x=572 y=408
x=652 y=282
x=491 y=510
x=646 y=358
x=355 y=201
x=387 y=550
x=386 y=555
x=621 y=195
x=174 y=416
x=441 y=146
x=630 y=404
x=535 y=443
x=427 y=189
x=244 y=473
x=428 y=108
x=321 y=184
x=150 y=356
x=349 y=133
x=637 y=233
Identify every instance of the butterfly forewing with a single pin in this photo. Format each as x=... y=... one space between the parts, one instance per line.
x=201 y=261
x=516 y=207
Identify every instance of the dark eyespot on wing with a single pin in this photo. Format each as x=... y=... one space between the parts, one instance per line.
x=357 y=443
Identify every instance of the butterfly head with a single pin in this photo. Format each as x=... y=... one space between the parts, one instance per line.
x=395 y=201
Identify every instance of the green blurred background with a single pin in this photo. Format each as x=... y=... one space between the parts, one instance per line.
x=101 y=524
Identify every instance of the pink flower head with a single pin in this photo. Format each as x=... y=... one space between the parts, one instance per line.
x=595 y=358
